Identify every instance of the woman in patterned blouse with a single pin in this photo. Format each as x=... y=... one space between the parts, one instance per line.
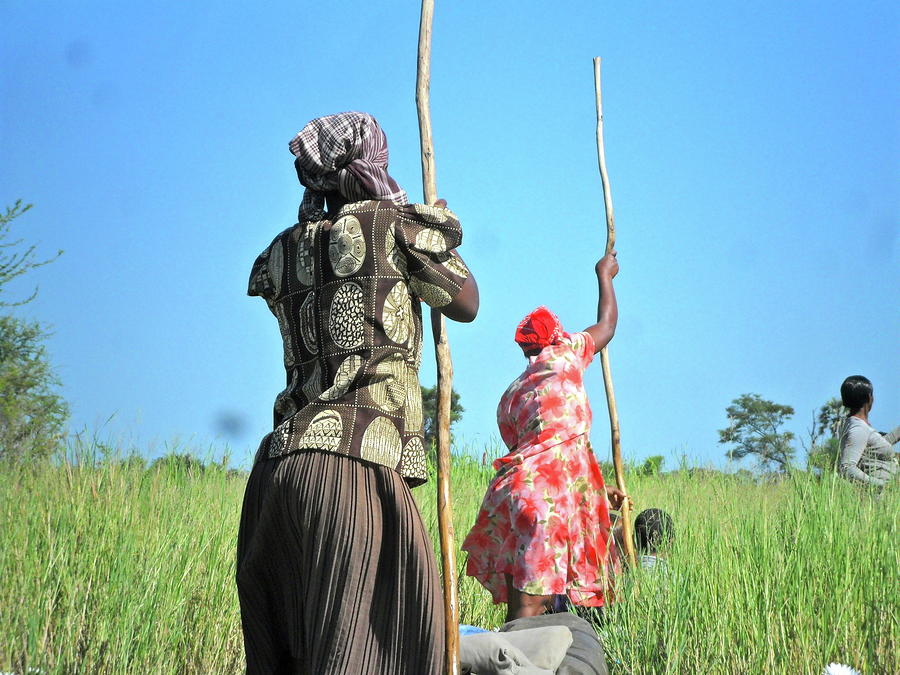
x=544 y=525
x=335 y=571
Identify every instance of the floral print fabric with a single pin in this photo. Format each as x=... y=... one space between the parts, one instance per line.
x=545 y=517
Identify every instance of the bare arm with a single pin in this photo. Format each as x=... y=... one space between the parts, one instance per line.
x=607 y=308
x=464 y=306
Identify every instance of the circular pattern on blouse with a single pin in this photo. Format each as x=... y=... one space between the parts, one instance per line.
x=457 y=266
x=276 y=264
x=388 y=388
x=324 y=432
x=396 y=315
x=312 y=383
x=431 y=240
x=413 y=462
x=306 y=260
x=285 y=329
x=434 y=296
x=431 y=214
x=347 y=246
x=346 y=316
x=343 y=378
x=381 y=442
x=308 y=330
x=413 y=402
x=394 y=256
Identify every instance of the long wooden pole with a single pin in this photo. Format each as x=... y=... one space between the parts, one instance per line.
x=442 y=356
x=604 y=354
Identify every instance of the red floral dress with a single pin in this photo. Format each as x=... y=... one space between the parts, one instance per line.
x=545 y=518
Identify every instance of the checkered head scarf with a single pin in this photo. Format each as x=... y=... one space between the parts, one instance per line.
x=346 y=153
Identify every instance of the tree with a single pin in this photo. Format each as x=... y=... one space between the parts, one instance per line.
x=831 y=415
x=32 y=413
x=429 y=413
x=754 y=430
x=823 y=456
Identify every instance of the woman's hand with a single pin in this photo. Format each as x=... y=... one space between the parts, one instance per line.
x=608 y=266
x=607 y=309
x=617 y=498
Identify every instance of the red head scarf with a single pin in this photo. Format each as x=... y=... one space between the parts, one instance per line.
x=538 y=329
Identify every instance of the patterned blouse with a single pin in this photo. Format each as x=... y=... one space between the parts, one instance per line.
x=345 y=292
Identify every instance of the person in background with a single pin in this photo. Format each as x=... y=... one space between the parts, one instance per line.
x=654 y=532
x=544 y=524
x=335 y=570
x=866 y=455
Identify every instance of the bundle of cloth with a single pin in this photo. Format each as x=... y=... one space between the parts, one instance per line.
x=550 y=644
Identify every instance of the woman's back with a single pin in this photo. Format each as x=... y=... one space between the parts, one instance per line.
x=345 y=292
x=866 y=455
x=547 y=404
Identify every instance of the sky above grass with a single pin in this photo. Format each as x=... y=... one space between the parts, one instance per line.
x=752 y=151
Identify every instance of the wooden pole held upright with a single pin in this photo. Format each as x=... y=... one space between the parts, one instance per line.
x=604 y=355
x=442 y=355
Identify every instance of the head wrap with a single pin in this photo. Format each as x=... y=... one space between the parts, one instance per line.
x=344 y=153
x=538 y=330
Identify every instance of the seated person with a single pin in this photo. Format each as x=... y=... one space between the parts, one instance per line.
x=654 y=532
x=866 y=455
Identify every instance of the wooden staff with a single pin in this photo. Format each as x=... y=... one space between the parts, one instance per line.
x=604 y=354
x=442 y=355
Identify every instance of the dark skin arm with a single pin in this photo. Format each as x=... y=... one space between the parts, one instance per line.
x=464 y=306
x=607 y=309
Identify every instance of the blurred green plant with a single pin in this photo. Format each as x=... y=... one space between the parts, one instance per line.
x=652 y=466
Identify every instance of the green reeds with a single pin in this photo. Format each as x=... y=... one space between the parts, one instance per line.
x=110 y=567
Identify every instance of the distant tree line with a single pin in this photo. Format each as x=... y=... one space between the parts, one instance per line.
x=33 y=414
x=755 y=430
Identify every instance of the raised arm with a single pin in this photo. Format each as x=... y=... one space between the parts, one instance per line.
x=607 y=309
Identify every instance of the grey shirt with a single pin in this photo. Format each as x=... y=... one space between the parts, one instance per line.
x=867 y=456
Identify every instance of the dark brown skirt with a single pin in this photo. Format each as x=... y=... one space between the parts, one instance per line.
x=335 y=571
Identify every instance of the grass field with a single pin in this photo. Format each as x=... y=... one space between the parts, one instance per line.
x=112 y=568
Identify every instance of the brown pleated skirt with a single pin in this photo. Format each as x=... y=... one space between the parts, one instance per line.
x=335 y=571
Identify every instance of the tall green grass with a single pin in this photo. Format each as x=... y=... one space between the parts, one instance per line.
x=106 y=567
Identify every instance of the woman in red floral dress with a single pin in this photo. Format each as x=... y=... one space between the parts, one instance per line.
x=544 y=526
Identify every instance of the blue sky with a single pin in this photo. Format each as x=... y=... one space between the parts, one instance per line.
x=752 y=151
